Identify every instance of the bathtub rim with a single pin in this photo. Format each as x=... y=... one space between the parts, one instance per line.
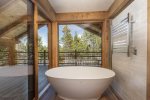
x=46 y=73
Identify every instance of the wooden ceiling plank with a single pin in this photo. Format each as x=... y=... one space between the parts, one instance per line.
x=12 y=25
x=6 y=4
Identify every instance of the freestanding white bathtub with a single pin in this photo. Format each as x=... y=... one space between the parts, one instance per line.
x=80 y=83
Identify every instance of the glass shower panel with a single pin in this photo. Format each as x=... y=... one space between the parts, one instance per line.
x=16 y=50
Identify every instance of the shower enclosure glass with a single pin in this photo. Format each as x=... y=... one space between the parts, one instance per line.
x=16 y=50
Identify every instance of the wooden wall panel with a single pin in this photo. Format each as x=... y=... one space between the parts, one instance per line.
x=81 y=16
x=54 y=44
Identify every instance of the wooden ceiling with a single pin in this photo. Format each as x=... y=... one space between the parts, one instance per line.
x=13 y=18
x=13 y=15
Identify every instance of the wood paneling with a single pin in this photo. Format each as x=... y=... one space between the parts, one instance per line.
x=35 y=29
x=148 y=53
x=54 y=44
x=105 y=44
x=117 y=7
x=83 y=16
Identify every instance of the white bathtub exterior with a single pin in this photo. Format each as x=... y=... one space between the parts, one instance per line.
x=80 y=83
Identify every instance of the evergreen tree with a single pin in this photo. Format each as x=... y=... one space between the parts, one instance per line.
x=91 y=41
x=67 y=39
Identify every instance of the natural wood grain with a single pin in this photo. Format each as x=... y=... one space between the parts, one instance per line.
x=35 y=29
x=148 y=53
x=10 y=44
x=5 y=3
x=54 y=44
x=46 y=9
x=12 y=25
x=105 y=44
x=12 y=53
x=117 y=7
x=81 y=16
x=6 y=42
x=50 y=44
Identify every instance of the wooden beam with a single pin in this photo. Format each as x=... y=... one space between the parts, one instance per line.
x=12 y=25
x=12 y=53
x=54 y=44
x=105 y=44
x=5 y=42
x=81 y=17
x=46 y=10
x=91 y=28
x=25 y=33
x=35 y=28
x=50 y=45
x=148 y=52
x=21 y=35
x=117 y=7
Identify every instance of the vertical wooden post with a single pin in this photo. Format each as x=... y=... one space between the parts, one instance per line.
x=54 y=44
x=12 y=53
x=36 y=48
x=105 y=44
x=148 y=52
x=50 y=45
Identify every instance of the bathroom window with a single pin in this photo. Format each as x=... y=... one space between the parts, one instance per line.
x=80 y=44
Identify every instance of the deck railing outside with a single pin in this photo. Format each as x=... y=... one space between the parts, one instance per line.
x=80 y=58
x=65 y=58
x=22 y=58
